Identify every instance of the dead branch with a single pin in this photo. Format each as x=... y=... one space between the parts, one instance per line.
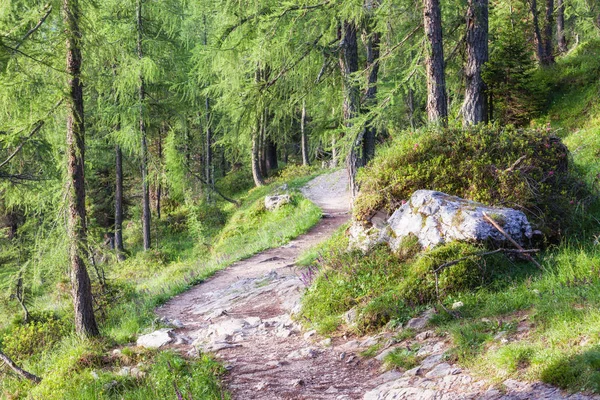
x=18 y=370
x=514 y=243
x=214 y=189
x=515 y=164
x=48 y=9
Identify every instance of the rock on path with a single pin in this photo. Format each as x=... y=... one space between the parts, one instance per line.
x=244 y=316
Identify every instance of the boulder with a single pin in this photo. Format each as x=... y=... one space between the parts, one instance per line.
x=156 y=339
x=274 y=202
x=436 y=218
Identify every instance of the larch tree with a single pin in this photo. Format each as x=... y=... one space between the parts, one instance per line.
x=560 y=26
x=548 y=34
x=437 y=103
x=85 y=321
x=474 y=109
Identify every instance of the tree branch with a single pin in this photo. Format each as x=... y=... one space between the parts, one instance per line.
x=214 y=189
x=18 y=370
x=48 y=9
x=35 y=130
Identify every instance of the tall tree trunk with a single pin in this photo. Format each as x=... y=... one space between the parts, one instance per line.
x=256 y=170
x=119 y=247
x=437 y=104
x=209 y=143
x=271 y=152
x=548 y=36
x=81 y=288
x=349 y=65
x=539 y=43
x=373 y=40
x=304 y=139
x=560 y=26
x=159 y=188
x=475 y=105
x=146 y=216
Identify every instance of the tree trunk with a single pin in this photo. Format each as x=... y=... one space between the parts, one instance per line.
x=146 y=216
x=271 y=150
x=119 y=247
x=560 y=26
x=475 y=105
x=548 y=36
x=209 y=143
x=539 y=43
x=348 y=66
x=256 y=172
x=373 y=40
x=304 y=139
x=81 y=288
x=159 y=188
x=437 y=105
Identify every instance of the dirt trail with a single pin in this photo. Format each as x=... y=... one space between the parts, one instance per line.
x=244 y=315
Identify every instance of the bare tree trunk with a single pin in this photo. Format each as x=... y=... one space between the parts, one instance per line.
x=548 y=36
x=437 y=104
x=304 y=140
x=539 y=43
x=256 y=172
x=81 y=288
x=411 y=108
x=475 y=105
x=271 y=152
x=146 y=215
x=18 y=370
x=373 y=40
x=348 y=66
x=119 y=247
x=159 y=188
x=560 y=26
x=209 y=143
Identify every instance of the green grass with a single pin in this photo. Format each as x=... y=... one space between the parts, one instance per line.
x=402 y=358
x=144 y=281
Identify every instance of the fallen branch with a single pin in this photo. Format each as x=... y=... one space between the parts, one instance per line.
x=214 y=189
x=515 y=165
x=18 y=370
x=507 y=236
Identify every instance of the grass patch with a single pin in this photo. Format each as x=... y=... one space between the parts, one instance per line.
x=402 y=358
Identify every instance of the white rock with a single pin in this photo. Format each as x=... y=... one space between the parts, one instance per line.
x=310 y=334
x=274 y=202
x=457 y=305
x=325 y=342
x=441 y=370
x=417 y=323
x=155 y=340
x=436 y=218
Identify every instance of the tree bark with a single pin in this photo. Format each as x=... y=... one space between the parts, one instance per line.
x=146 y=215
x=548 y=33
x=304 y=139
x=539 y=43
x=373 y=40
x=475 y=105
x=348 y=66
x=256 y=172
x=271 y=152
x=119 y=247
x=437 y=104
x=159 y=188
x=560 y=26
x=18 y=370
x=209 y=143
x=81 y=288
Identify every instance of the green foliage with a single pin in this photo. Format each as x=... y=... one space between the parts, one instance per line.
x=24 y=341
x=479 y=164
x=403 y=358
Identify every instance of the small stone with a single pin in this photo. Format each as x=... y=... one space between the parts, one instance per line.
x=325 y=343
x=274 y=202
x=155 y=340
x=424 y=335
x=331 y=390
x=284 y=333
x=342 y=355
x=350 y=316
x=431 y=361
x=390 y=376
x=442 y=370
x=310 y=334
x=417 y=323
x=260 y=386
x=368 y=342
x=116 y=352
x=125 y=371
x=381 y=356
x=94 y=375
x=177 y=324
x=298 y=382
x=137 y=373
x=457 y=305
x=413 y=372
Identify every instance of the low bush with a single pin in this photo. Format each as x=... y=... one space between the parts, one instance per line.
x=526 y=169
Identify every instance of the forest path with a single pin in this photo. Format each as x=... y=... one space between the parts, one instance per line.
x=243 y=315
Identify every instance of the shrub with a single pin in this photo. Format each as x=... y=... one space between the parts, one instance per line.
x=526 y=169
x=33 y=338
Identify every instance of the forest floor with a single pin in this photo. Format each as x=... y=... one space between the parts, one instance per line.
x=244 y=315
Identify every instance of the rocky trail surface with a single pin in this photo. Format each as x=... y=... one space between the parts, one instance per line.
x=243 y=315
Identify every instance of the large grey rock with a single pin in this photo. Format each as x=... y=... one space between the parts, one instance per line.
x=436 y=218
x=274 y=202
x=155 y=340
